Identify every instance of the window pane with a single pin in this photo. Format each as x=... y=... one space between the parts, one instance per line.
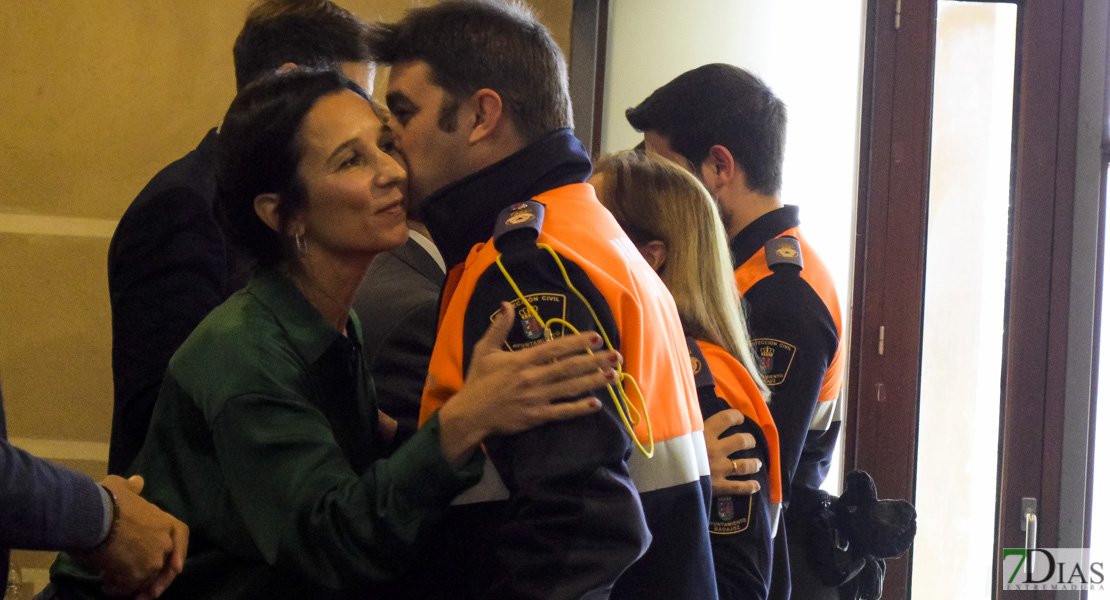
x=965 y=282
x=651 y=42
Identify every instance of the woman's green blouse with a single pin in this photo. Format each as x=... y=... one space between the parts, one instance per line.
x=265 y=442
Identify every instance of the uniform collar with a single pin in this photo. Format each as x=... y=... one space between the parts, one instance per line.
x=310 y=334
x=463 y=213
x=760 y=231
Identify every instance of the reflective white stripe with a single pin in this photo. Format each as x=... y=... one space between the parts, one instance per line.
x=776 y=512
x=676 y=461
x=825 y=413
x=702 y=454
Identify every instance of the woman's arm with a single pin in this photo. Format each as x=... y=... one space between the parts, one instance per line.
x=304 y=507
x=306 y=510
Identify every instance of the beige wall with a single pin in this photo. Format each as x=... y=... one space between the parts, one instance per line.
x=98 y=96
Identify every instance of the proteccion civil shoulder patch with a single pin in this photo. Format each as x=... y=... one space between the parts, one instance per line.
x=522 y=218
x=529 y=331
x=783 y=250
x=730 y=514
x=773 y=357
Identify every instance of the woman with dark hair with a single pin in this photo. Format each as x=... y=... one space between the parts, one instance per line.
x=266 y=437
x=673 y=221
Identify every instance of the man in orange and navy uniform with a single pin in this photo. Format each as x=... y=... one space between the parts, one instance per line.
x=574 y=509
x=728 y=128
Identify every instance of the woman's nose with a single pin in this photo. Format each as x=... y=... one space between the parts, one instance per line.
x=392 y=171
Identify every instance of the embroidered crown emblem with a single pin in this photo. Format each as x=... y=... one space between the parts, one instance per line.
x=786 y=251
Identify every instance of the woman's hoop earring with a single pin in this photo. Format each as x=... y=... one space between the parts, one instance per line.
x=302 y=246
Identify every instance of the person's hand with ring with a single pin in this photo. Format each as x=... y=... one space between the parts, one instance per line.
x=721 y=467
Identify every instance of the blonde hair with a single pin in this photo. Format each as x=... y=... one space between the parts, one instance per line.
x=655 y=199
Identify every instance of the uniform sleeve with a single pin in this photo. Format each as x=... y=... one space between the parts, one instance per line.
x=575 y=520
x=817 y=456
x=795 y=340
x=740 y=529
x=307 y=510
x=47 y=507
x=739 y=526
x=167 y=269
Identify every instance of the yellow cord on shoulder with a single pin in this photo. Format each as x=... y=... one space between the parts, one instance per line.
x=630 y=415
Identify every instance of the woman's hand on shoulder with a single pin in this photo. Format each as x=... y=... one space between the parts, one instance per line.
x=508 y=392
x=719 y=446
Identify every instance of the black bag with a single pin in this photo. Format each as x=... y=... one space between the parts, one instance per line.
x=849 y=538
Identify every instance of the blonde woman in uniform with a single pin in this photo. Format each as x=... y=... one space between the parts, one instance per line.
x=674 y=223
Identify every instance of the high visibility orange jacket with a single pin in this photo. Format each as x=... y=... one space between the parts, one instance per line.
x=737 y=387
x=742 y=528
x=573 y=509
x=641 y=308
x=795 y=322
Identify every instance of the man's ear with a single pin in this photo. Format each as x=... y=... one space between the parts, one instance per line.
x=266 y=207
x=655 y=253
x=487 y=113
x=719 y=169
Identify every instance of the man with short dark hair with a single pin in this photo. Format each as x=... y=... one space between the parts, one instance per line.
x=725 y=126
x=576 y=509
x=168 y=262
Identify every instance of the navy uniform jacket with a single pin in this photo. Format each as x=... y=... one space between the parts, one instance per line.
x=561 y=516
x=794 y=319
x=740 y=527
x=797 y=340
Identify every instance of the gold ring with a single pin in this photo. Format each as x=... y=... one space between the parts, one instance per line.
x=734 y=470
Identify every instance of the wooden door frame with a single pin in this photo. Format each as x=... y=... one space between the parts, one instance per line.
x=588 y=48
x=1087 y=260
x=889 y=268
x=888 y=278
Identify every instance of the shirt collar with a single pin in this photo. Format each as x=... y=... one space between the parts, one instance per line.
x=428 y=247
x=310 y=334
x=760 y=231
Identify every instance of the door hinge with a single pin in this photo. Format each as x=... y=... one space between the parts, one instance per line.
x=897 y=14
x=882 y=338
